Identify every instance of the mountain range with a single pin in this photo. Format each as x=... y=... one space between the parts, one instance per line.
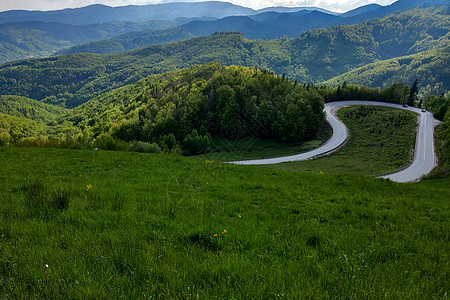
x=95 y=14
x=25 y=34
x=312 y=56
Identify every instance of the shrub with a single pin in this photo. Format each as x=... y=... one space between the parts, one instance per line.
x=106 y=142
x=194 y=143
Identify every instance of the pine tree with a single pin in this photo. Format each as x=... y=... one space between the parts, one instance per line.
x=413 y=93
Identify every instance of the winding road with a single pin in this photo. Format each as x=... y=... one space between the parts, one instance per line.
x=424 y=155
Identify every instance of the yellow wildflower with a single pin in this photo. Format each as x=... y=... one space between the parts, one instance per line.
x=89 y=187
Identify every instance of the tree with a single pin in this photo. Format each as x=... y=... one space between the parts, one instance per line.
x=338 y=93
x=413 y=93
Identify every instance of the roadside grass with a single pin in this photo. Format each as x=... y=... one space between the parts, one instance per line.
x=159 y=226
x=381 y=140
x=256 y=148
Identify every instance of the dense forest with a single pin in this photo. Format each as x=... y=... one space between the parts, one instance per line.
x=23 y=119
x=31 y=109
x=440 y=106
x=315 y=56
x=204 y=101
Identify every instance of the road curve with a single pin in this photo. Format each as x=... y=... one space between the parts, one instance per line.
x=424 y=155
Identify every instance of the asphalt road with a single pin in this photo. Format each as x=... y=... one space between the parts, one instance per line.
x=424 y=156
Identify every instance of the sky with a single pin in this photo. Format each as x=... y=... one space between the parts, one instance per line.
x=333 y=5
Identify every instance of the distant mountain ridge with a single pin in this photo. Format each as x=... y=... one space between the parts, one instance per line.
x=101 y=13
x=361 y=10
x=98 y=13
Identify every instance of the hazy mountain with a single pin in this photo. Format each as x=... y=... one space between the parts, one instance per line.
x=293 y=24
x=361 y=10
x=281 y=9
x=133 y=13
x=267 y=25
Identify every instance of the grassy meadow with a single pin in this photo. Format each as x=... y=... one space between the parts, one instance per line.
x=100 y=224
x=381 y=140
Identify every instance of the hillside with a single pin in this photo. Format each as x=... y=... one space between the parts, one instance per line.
x=431 y=68
x=130 y=41
x=168 y=109
x=394 y=8
x=229 y=102
x=13 y=129
x=74 y=79
x=315 y=56
x=117 y=224
x=31 y=109
x=22 y=118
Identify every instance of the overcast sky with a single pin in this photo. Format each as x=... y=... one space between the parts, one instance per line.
x=334 y=5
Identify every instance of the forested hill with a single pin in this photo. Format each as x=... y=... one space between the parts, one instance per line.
x=315 y=56
x=230 y=102
x=30 y=109
x=431 y=68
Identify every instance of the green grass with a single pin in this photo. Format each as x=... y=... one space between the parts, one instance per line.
x=381 y=140
x=256 y=148
x=146 y=228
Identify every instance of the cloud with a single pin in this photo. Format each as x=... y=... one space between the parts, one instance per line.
x=334 y=5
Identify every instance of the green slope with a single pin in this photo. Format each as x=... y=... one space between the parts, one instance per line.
x=13 y=129
x=31 y=109
x=100 y=224
x=431 y=68
x=315 y=56
x=27 y=118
